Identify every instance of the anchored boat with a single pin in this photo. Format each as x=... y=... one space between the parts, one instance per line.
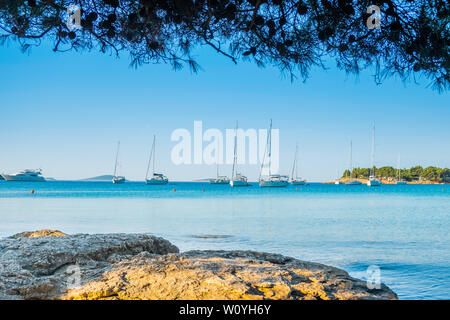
x=271 y=180
x=400 y=181
x=219 y=179
x=274 y=180
x=117 y=179
x=350 y=181
x=28 y=175
x=237 y=179
x=155 y=178
x=295 y=180
x=373 y=180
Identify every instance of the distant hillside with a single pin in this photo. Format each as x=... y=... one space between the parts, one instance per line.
x=106 y=177
x=416 y=174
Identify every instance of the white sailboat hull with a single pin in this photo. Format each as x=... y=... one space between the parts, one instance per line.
x=353 y=183
x=374 y=183
x=157 y=181
x=298 y=182
x=238 y=183
x=118 y=180
x=219 y=181
x=269 y=183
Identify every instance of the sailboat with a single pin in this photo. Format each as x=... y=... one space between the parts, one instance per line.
x=156 y=178
x=400 y=181
x=338 y=181
x=373 y=180
x=117 y=179
x=295 y=180
x=272 y=180
x=219 y=179
x=350 y=181
x=237 y=179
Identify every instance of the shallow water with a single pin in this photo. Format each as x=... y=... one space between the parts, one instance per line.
x=404 y=230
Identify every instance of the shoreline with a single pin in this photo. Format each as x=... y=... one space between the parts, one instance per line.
x=388 y=181
x=49 y=264
x=364 y=181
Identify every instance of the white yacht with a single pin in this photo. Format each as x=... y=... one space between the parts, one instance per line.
x=117 y=179
x=237 y=179
x=400 y=181
x=373 y=180
x=338 y=182
x=25 y=175
x=155 y=178
x=351 y=181
x=295 y=180
x=271 y=180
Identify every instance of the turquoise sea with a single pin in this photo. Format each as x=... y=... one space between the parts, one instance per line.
x=404 y=230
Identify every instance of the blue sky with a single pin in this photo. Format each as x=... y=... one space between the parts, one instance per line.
x=65 y=112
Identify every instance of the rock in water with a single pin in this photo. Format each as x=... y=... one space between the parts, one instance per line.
x=137 y=266
x=39 y=233
x=198 y=275
x=46 y=267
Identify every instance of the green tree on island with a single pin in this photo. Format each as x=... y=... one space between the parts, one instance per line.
x=416 y=173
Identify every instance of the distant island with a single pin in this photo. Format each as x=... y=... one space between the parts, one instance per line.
x=416 y=174
x=106 y=177
x=202 y=180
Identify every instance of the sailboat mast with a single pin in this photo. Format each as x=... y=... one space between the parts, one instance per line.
x=270 y=146
x=294 y=166
x=217 y=168
x=264 y=158
x=117 y=158
x=154 y=153
x=398 y=167
x=235 y=152
x=372 y=160
x=150 y=158
x=351 y=155
x=296 y=160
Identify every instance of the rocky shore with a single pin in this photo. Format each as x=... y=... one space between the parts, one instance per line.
x=49 y=264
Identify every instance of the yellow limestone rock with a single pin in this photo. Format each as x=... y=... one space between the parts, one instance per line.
x=48 y=264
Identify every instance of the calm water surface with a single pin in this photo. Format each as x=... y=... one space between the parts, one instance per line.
x=404 y=230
